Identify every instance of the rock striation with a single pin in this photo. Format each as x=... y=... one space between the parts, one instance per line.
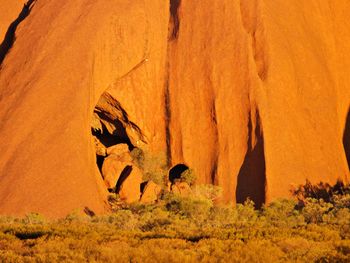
x=253 y=95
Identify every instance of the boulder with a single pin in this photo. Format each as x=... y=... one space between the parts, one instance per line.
x=112 y=168
x=118 y=149
x=128 y=186
x=150 y=193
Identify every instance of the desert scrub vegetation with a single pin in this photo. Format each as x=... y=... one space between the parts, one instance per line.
x=153 y=166
x=310 y=228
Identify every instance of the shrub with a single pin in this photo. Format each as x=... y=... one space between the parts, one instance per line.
x=323 y=191
x=154 y=166
x=189 y=207
x=188 y=176
x=187 y=229
x=282 y=213
x=207 y=191
x=34 y=218
x=314 y=210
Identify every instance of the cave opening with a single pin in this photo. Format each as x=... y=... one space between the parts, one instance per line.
x=104 y=140
x=176 y=171
x=107 y=139
x=111 y=129
x=251 y=181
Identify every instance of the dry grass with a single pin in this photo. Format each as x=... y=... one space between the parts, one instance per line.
x=187 y=230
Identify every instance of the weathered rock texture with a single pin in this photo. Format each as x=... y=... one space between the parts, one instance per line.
x=128 y=185
x=253 y=95
x=9 y=12
x=150 y=193
x=113 y=167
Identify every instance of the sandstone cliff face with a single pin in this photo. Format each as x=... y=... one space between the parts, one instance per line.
x=253 y=95
x=9 y=12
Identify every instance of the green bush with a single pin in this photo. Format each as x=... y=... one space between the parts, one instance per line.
x=207 y=191
x=188 y=176
x=187 y=229
x=283 y=213
x=153 y=166
x=190 y=207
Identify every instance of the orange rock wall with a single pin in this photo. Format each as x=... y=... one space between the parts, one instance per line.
x=8 y=13
x=65 y=55
x=307 y=95
x=247 y=93
x=232 y=60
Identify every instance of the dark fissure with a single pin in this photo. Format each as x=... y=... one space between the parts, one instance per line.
x=125 y=173
x=167 y=121
x=10 y=35
x=174 y=18
x=251 y=179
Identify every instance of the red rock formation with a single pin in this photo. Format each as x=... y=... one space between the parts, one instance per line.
x=253 y=95
x=151 y=193
x=10 y=9
x=113 y=167
x=128 y=185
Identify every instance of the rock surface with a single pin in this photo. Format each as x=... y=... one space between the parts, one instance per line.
x=253 y=95
x=113 y=167
x=128 y=186
x=10 y=9
x=119 y=149
x=150 y=193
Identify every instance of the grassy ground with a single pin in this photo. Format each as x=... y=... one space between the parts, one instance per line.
x=314 y=229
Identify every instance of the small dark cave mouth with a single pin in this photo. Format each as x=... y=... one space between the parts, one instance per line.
x=346 y=138
x=176 y=171
x=251 y=181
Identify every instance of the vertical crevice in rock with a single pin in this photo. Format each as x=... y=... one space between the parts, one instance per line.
x=214 y=170
x=173 y=31
x=214 y=167
x=167 y=119
x=10 y=35
x=213 y=113
x=251 y=179
x=174 y=19
x=252 y=20
x=346 y=138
